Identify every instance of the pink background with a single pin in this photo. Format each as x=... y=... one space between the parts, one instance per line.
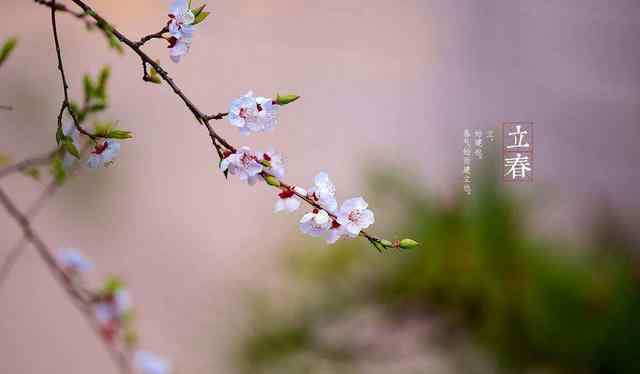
x=381 y=81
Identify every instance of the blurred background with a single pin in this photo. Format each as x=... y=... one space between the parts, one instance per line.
x=537 y=277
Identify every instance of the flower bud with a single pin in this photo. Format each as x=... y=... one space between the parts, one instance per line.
x=286 y=99
x=408 y=243
x=271 y=180
x=265 y=163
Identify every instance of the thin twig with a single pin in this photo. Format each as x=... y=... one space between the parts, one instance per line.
x=202 y=118
x=157 y=35
x=18 y=249
x=26 y=164
x=65 y=84
x=76 y=296
x=6 y=107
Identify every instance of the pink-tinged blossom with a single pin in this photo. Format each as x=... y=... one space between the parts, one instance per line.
x=315 y=223
x=148 y=363
x=334 y=233
x=243 y=163
x=178 y=48
x=287 y=200
x=354 y=216
x=324 y=192
x=181 y=19
x=251 y=114
x=275 y=160
x=114 y=307
x=104 y=154
x=73 y=261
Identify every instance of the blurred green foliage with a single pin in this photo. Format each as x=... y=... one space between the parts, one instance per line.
x=530 y=303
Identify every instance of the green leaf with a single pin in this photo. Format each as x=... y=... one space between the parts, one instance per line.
x=271 y=180
x=286 y=99
x=70 y=147
x=88 y=87
x=33 y=173
x=5 y=160
x=201 y=17
x=112 y=285
x=197 y=10
x=59 y=135
x=96 y=107
x=119 y=134
x=103 y=78
x=103 y=128
x=154 y=76
x=58 y=171
x=8 y=47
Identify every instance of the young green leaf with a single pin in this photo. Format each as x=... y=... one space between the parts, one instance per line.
x=88 y=87
x=197 y=10
x=286 y=99
x=112 y=285
x=59 y=135
x=33 y=173
x=58 y=171
x=119 y=134
x=8 y=47
x=70 y=147
x=4 y=159
x=103 y=128
x=201 y=17
x=103 y=78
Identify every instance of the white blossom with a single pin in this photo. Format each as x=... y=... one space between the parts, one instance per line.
x=104 y=154
x=178 y=48
x=149 y=363
x=315 y=223
x=73 y=260
x=287 y=200
x=251 y=114
x=354 y=216
x=114 y=308
x=244 y=164
x=181 y=28
x=122 y=302
x=181 y=20
x=324 y=192
x=334 y=233
x=275 y=159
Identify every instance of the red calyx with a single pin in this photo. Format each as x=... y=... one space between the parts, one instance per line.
x=285 y=194
x=109 y=330
x=266 y=157
x=99 y=148
x=172 y=41
x=335 y=224
x=259 y=107
x=315 y=210
x=227 y=153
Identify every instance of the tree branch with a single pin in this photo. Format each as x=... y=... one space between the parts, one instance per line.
x=26 y=164
x=77 y=297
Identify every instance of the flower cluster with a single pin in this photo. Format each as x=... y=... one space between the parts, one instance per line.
x=252 y=166
x=330 y=222
x=181 y=25
x=113 y=310
x=258 y=114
